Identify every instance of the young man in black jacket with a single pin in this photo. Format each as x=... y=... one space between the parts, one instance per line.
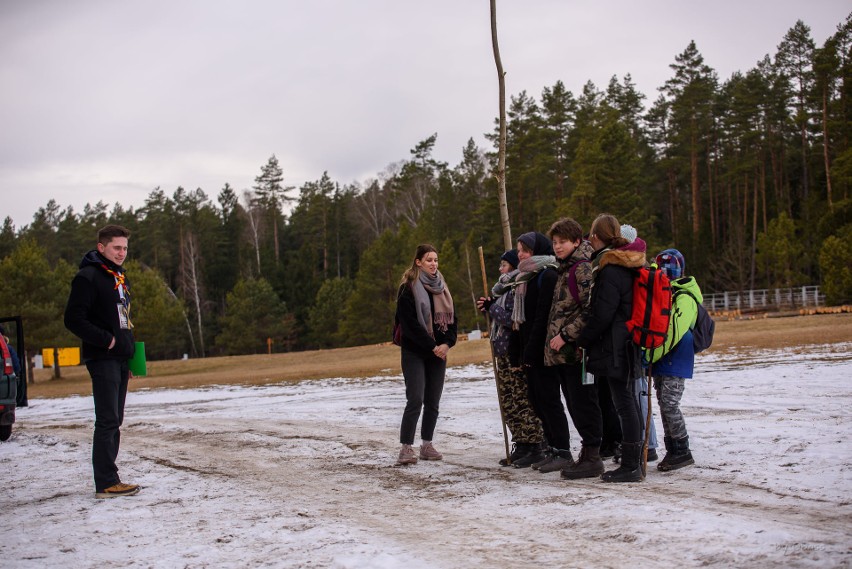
x=98 y=311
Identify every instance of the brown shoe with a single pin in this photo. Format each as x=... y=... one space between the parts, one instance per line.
x=119 y=489
x=428 y=452
x=407 y=455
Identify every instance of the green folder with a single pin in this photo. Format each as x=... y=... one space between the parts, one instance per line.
x=137 y=362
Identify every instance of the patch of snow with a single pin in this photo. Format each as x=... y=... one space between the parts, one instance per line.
x=304 y=475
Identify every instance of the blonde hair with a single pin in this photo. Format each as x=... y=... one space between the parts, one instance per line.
x=607 y=228
x=411 y=272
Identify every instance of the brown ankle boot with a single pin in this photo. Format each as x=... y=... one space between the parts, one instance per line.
x=588 y=465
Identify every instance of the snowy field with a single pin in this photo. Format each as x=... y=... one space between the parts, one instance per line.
x=304 y=476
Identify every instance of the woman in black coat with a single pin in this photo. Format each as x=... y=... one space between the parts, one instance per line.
x=426 y=316
x=611 y=354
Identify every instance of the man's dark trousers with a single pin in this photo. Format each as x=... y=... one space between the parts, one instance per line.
x=109 y=389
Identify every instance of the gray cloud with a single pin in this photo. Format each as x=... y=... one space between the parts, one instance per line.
x=106 y=100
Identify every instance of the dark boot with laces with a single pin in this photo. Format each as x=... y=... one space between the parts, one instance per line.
x=561 y=459
x=535 y=454
x=518 y=450
x=588 y=465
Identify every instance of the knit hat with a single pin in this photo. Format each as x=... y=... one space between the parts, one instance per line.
x=671 y=261
x=511 y=257
x=629 y=232
x=528 y=239
x=537 y=242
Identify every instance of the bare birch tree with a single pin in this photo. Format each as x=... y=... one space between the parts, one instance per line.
x=501 y=151
x=190 y=279
x=254 y=223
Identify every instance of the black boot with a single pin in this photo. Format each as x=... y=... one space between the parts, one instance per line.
x=518 y=450
x=588 y=465
x=630 y=469
x=548 y=454
x=534 y=454
x=678 y=455
x=561 y=459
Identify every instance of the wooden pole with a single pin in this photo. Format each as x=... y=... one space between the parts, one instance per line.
x=494 y=361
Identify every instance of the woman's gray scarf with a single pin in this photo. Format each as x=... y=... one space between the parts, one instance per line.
x=527 y=270
x=424 y=285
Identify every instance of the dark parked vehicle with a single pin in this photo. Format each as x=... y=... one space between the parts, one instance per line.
x=13 y=382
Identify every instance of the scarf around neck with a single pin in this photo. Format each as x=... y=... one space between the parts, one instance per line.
x=118 y=274
x=501 y=292
x=424 y=285
x=527 y=269
x=504 y=283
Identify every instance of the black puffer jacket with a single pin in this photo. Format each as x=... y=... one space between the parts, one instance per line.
x=92 y=312
x=414 y=335
x=610 y=351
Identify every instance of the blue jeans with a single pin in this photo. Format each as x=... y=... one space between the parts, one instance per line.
x=424 y=383
x=109 y=390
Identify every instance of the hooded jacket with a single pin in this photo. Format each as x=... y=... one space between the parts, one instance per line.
x=677 y=355
x=94 y=308
x=567 y=316
x=609 y=350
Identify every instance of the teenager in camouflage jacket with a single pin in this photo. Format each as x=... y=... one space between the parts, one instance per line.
x=566 y=314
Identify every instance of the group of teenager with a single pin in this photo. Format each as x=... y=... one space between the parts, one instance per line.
x=559 y=314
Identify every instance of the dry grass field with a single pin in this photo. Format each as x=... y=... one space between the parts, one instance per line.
x=362 y=361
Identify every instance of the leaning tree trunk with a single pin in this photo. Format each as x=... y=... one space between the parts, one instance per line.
x=825 y=145
x=501 y=150
x=696 y=196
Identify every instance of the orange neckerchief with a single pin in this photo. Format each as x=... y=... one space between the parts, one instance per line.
x=119 y=278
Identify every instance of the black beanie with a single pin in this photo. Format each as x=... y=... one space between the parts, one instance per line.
x=511 y=257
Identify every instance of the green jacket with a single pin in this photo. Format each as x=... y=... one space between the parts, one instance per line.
x=684 y=313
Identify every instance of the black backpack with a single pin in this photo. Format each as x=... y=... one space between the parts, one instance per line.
x=705 y=326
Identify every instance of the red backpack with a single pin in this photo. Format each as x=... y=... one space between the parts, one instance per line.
x=652 y=307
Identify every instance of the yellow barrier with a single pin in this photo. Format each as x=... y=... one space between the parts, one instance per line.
x=67 y=356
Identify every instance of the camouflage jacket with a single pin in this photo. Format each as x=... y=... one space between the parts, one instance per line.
x=566 y=315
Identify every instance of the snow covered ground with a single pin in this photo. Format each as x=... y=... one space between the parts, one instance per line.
x=303 y=476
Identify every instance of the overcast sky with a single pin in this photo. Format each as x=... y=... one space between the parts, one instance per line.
x=109 y=99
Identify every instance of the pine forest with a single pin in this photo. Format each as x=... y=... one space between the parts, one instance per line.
x=749 y=176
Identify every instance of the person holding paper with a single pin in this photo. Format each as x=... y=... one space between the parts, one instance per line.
x=98 y=312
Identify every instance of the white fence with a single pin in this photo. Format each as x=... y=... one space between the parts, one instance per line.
x=765 y=299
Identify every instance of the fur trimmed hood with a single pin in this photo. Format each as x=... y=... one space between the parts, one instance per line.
x=631 y=256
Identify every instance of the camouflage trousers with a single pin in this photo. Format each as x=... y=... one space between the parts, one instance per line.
x=517 y=410
x=669 y=392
